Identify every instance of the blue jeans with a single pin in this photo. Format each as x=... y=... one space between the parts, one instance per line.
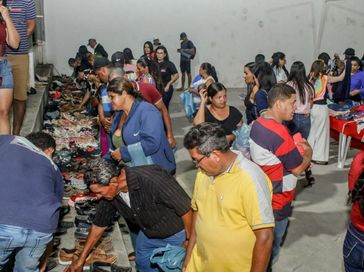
x=6 y=75
x=145 y=247
x=28 y=244
x=353 y=250
x=300 y=123
x=167 y=96
x=279 y=232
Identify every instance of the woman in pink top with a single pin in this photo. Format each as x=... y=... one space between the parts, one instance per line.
x=301 y=122
x=319 y=137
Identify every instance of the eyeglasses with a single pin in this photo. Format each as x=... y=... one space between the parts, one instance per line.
x=196 y=163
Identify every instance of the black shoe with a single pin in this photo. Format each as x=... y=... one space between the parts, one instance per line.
x=31 y=91
x=310 y=179
x=51 y=264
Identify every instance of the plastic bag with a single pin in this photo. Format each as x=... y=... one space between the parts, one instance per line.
x=241 y=143
x=188 y=105
x=169 y=258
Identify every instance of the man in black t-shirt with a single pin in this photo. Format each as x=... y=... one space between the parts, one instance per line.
x=188 y=52
x=148 y=197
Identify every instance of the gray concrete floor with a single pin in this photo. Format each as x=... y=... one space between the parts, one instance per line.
x=320 y=216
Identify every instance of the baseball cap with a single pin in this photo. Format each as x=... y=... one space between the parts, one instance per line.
x=349 y=52
x=155 y=38
x=182 y=35
x=117 y=59
x=101 y=62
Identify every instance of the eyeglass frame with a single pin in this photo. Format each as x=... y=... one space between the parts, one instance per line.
x=196 y=163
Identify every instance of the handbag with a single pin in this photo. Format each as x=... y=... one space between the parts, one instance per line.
x=137 y=155
x=169 y=258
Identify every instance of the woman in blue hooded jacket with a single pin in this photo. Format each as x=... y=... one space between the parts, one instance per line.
x=142 y=126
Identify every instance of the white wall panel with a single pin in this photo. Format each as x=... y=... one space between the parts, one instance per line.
x=226 y=33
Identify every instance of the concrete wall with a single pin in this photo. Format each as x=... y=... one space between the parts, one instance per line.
x=226 y=33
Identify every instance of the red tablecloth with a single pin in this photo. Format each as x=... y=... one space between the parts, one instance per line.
x=349 y=129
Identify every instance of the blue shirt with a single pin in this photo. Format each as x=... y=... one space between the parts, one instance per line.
x=144 y=124
x=20 y=12
x=357 y=82
x=261 y=101
x=105 y=101
x=31 y=186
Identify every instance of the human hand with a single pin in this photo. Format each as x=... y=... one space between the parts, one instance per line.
x=75 y=266
x=116 y=155
x=203 y=96
x=354 y=92
x=172 y=141
x=307 y=150
x=106 y=123
x=4 y=12
x=166 y=88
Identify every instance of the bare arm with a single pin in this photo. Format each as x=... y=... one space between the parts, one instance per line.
x=262 y=249
x=200 y=115
x=173 y=80
x=334 y=79
x=85 y=98
x=12 y=35
x=191 y=242
x=105 y=122
x=30 y=27
x=167 y=122
x=92 y=238
x=187 y=221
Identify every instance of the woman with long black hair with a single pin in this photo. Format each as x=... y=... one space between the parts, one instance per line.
x=279 y=67
x=168 y=72
x=252 y=88
x=218 y=111
x=301 y=122
x=266 y=80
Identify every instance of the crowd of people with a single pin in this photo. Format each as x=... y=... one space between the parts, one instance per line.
x=240 y=207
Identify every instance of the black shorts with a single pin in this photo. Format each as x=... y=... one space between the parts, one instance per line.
x=185 y=67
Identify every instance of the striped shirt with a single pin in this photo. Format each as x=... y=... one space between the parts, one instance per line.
x=20 y=12
x=105 y=101
x=157 y=203
x=274 y=150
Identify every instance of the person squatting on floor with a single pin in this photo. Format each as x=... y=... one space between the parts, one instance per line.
x=27 y=226
x=148 y=197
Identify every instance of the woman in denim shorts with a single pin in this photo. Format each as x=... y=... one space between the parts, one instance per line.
x=8 y=36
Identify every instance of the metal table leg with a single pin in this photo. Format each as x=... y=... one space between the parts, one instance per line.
x=344 y=144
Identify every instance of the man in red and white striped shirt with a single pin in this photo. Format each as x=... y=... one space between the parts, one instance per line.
x=274 y=150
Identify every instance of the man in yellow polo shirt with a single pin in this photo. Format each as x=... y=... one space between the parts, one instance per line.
x=232 y=227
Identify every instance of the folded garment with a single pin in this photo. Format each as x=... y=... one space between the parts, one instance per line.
x=338 y=107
